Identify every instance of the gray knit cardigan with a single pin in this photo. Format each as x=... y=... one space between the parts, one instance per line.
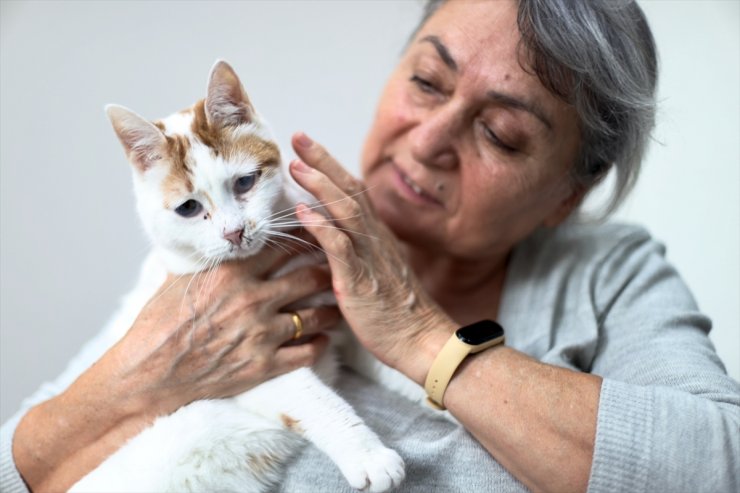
x=593 y=298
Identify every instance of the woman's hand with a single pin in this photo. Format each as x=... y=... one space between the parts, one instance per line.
x=394 y=318
x=379 y=295
x=203 y=336
x=218 y=334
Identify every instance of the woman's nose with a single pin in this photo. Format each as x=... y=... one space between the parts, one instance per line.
x=433 y=140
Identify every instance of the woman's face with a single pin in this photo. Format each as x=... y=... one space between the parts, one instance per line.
x=468 y=152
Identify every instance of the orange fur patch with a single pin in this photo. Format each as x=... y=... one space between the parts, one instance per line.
x=178 y=182
x=218 y=139
x=262 y=463
x=290 y=423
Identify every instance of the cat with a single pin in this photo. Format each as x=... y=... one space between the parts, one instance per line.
x=220 y=151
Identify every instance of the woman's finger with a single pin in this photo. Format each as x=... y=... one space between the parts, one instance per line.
x=345 y=210
x=298 y=284
x=340 y=251
x=289 y=244
x=317 y=157
x=289 y=358
x=311 y=321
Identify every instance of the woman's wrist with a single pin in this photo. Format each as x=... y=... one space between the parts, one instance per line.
x=432 y=330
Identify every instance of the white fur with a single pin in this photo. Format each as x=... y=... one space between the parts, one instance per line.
x=238 y=444
x=178 y=123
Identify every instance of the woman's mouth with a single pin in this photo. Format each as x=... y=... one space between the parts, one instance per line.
x=413 y=191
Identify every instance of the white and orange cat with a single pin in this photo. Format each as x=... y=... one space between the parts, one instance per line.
x=209 y=183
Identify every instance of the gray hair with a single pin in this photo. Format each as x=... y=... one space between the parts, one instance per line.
x=600 y=57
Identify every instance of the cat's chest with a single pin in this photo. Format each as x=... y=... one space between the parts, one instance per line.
x=151 y=277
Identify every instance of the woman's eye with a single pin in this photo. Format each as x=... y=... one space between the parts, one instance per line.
x=189 y=208
x=423 y=84
x=245 y=183
x=493 y=138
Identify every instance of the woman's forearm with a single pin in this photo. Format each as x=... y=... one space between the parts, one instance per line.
x=169 y=358
x=537 y=420
x=60 y=440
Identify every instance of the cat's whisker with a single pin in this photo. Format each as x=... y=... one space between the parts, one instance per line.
x=205 y=266
x=281 y=246
x=174 y=281
x=212 y=269
x=209 y=274
x=287 y=236
x=318 y=205
x=289 y=224
x=288 y=248
x=201 y=263
x=292 y=218
x=287 y=211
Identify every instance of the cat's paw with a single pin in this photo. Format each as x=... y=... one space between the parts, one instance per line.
x=375 y=471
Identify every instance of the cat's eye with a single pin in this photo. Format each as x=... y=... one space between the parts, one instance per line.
x=189 y=208
x=245 y=183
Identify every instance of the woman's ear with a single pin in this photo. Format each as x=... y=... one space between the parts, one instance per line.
x=567 y=206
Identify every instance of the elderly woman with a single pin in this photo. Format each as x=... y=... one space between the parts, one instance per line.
x=498 y=120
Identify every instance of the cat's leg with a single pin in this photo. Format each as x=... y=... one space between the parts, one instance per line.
x=205 y=446
x=307 y=406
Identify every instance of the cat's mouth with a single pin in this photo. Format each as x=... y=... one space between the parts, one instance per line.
x=246 y=248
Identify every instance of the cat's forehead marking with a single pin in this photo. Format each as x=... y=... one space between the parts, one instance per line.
x=179 y=180
x=264 y=152
x=233 y=144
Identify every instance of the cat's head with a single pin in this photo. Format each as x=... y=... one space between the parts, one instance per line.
x=207 y=179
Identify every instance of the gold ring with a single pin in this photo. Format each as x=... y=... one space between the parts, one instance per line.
x=298 y=324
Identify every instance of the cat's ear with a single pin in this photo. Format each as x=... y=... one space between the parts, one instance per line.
x=227 y=104
x=143 y=142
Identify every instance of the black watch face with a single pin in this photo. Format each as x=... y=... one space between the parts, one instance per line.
x=480 y=332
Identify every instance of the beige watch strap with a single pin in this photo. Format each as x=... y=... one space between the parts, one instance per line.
x=449 y=358
x=444 y=366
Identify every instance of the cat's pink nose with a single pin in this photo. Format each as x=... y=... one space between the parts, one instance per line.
x=235 y=237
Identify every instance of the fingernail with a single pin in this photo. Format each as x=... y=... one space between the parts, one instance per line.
x=301 y=167
x=303 y=140
x=301 y=209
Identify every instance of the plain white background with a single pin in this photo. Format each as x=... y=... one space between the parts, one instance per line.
x=70 y=240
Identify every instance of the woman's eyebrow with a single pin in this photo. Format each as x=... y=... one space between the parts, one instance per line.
x=498 y=97
x=520 y=104
x=442 y=50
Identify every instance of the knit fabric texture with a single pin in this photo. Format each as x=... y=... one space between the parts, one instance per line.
x=593 y=298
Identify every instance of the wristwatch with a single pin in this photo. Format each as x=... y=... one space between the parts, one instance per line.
x=472 y=338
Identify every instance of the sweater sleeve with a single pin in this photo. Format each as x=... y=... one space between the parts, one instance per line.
x=10 y=479
x=669 y=416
